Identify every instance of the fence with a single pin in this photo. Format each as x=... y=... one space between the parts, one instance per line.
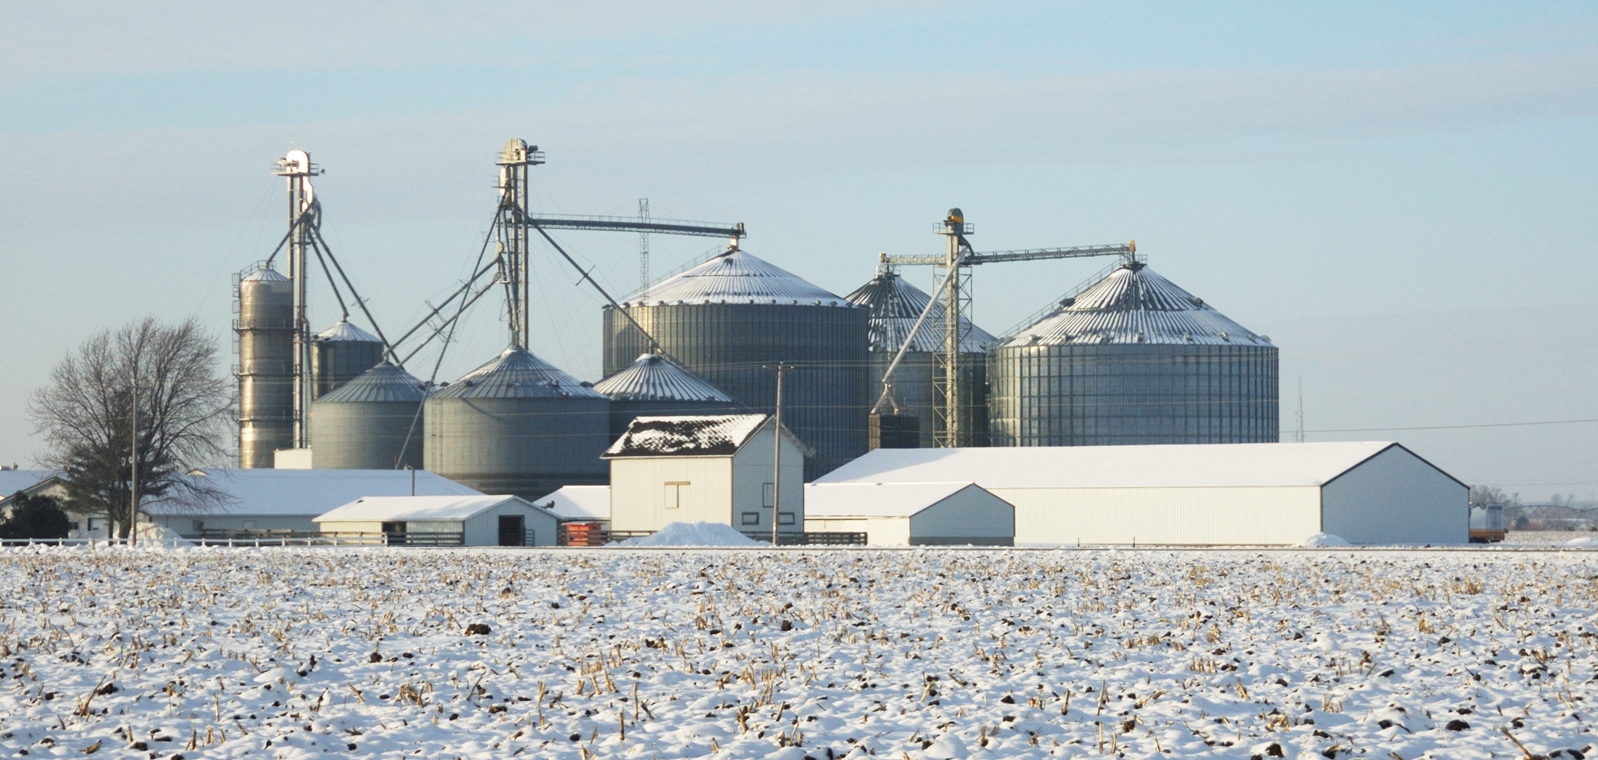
x=591 y=534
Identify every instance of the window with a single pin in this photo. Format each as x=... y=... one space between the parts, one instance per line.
x=786 y=519
x=199 y=525
x=768 y=496
x=677 y=493
x=751 y=518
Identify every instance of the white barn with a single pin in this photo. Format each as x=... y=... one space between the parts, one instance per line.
x=586 y=504
x=1368 y=492
x=268 y=500
x=443 y=521
x=709 y=468
x=911 y=514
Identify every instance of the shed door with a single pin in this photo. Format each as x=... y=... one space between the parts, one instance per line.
x=511 y=531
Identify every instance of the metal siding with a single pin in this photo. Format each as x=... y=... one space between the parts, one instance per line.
x=888 y=531
x=638 y=485
x=366 y=436
x=336 y=362
x=266 y=367
x=526 y=447
x=967 y=513
x=1396 y=498
x=752 y=470
x=729 y=345
x=1174 y=515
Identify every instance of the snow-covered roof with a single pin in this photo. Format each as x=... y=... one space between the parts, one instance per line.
x=695 y=435
x=311 y=492
x=895 y=305
x=12 y=481
x=1202 y=465
x=656 y=378
x=415 y=508
x=1135 y=305
x=343 y=330
x=578 y=502
x=876 y=499
x=735 y=277
x=517 y=373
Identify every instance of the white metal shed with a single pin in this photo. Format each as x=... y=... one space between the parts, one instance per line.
x=578 y=503
x=444 y=521
x=1368 y=492
x=911 y=514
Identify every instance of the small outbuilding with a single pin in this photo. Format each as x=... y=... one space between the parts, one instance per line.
x=583 y=504
x=1367 y=492
x=443 y=521
x=706 y=468
x=911 y=514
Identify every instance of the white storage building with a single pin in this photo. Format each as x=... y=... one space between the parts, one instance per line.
x=587 y=504
x=911 y=514
x=443 y=521
x=261 y=500
x=1368 y=492
x=706 y=468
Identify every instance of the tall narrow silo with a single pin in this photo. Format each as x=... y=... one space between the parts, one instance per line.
x=265 y=372
x=733 y=316
x=370 y=423
x=341 y=353
x=517 y=425
x=653 y=386
x=894 y=305
x=1133 y=359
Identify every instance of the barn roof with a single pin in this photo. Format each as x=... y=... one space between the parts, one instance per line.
x=578 y=502
x=1190 y=465
x=835 y=500
x=416 y=508
x=12 y=481
x=703 y=435
x=259 y=492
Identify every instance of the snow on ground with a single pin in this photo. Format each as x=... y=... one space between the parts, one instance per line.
x=293 y=653
x=693 y=534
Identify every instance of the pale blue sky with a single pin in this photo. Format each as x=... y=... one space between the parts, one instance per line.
x=1399 y=195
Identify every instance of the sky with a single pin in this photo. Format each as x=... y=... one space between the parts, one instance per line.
x=1400 y=195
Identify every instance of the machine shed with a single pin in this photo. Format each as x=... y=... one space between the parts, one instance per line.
x=917 y=514
x=444 y=520
x=1368 y=492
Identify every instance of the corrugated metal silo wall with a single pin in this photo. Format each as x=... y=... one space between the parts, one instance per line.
x=266 y=370
x=336 y=362
x=728 y=344
x=366 y=435
x=526 y=447
x=915 y=388
x=1106 y=395
x=623 y=412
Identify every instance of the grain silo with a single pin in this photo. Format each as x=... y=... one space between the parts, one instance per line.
x=731 y=317
x=265 y=372
x=370 y=423
x=517 y=425
x=1133 y=359
x=894 y=305
x=653 y=386
x=341 y=353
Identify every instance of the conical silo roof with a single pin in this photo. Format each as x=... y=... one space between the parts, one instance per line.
x=517 y=373
x=734 y=277
x=384 y=382
x=654 y=378
x=343 y=330
x=1135 y=305
x=895 y=304
x=264 y=274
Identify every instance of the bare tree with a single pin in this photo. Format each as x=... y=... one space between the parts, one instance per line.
x=85 y=416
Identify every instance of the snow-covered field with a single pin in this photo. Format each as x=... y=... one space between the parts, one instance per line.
x=755 y=653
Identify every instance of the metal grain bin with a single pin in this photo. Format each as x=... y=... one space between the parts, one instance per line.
x=265 y=371
x=341 y=353
x=894 y=305
x=728 y=318
x=653 y=386
x=370 y=423
x=1134 y=359
x=517 y=425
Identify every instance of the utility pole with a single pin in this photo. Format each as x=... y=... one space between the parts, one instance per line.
x=133 y=475
x=1298 y=433
x=776 y=477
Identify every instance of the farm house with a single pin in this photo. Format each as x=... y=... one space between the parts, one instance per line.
x=911 y=514
x=1368 y=492
x=712 y=468
x=443 y=521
